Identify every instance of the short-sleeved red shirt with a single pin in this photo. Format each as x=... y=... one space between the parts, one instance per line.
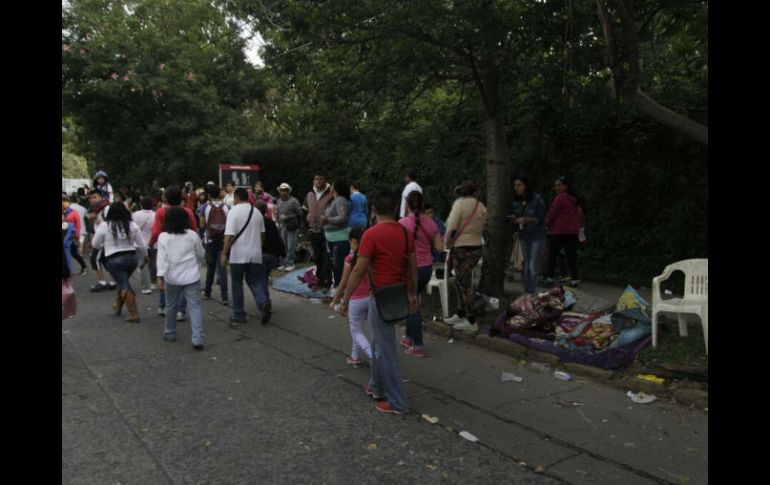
x=384 y=245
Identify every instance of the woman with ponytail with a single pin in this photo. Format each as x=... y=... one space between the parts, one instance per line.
x=426 y=237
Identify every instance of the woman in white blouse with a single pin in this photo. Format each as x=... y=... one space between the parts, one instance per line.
x=179 y=254
x=123 y=247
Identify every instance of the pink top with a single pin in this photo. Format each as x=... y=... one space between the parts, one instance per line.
x=423 y=242
x=363 y=287
x=564 y=217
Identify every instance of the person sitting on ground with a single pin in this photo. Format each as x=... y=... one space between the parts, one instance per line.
x=179 y=253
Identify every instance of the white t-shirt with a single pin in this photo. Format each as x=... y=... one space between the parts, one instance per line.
x=410 y=187
x=178 y=257
x=82 y=213
x=124 y=242
x=229 y=200
x=145 y=219
x=248 y=247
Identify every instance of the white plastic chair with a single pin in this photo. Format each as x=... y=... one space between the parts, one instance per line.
x=443 y=284
x=695 y=300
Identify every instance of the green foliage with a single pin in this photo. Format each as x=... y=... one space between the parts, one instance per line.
x=366 y=88
x=158 y=89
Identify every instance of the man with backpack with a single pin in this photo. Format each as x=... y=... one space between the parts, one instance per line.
x=213 y=222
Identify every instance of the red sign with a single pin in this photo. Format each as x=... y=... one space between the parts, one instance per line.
x=242 y=175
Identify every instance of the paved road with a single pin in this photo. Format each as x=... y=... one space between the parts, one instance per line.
x=277 y=404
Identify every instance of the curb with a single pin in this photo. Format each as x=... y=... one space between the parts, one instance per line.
x=690 y=397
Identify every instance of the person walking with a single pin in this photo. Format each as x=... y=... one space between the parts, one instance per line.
x=388 y=249
x=464 y=239
x=244 y=238
x=213 y=221
x=123 y=247
x=179 y=253
x=145 y=219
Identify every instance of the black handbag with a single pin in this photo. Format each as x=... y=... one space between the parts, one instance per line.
x=393 y=301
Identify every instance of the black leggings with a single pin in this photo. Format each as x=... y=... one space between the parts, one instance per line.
x=570 y=244
x=75 y=251
x=97 y=259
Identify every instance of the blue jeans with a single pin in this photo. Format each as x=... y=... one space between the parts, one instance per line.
x=337 y=252
x=385 y=375
x=182 y=301
x=270 y=262
x=532 y=251
x=120 y=267
x=254 y=273
x=175 y=295
x=414 y=320
x=213 y=266
x=289 y=239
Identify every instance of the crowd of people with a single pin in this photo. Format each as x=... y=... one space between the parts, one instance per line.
x=244 y=234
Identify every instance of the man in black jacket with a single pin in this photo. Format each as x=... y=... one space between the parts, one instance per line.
x=272 y=250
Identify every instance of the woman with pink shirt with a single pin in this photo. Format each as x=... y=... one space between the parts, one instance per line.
x=426 y=237
x=563 y=222
x=358 y=308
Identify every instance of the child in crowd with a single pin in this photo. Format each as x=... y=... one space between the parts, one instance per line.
x=359 y=302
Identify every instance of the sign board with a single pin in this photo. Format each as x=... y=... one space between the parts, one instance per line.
x=72 y=185
x=243 y=175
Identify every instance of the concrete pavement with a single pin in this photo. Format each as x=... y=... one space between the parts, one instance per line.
x=277 y=404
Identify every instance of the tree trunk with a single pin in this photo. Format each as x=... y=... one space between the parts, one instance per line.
x=498 y=170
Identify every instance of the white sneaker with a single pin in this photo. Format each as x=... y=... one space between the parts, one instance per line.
x=289 y=269
x=466 y=326
x=147 y=292
x=162 y=312
x=453 y=319
x=281 y=268
x=180 y=317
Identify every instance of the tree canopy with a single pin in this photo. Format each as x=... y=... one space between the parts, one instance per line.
x=611 y=93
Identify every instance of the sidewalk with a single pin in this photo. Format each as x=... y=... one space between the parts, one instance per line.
x=573 y=432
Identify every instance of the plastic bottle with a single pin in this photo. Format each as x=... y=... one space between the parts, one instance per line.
x=564 y=376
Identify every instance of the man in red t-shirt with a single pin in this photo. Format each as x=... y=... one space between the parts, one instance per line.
x=174 y=198
x=389 y=249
